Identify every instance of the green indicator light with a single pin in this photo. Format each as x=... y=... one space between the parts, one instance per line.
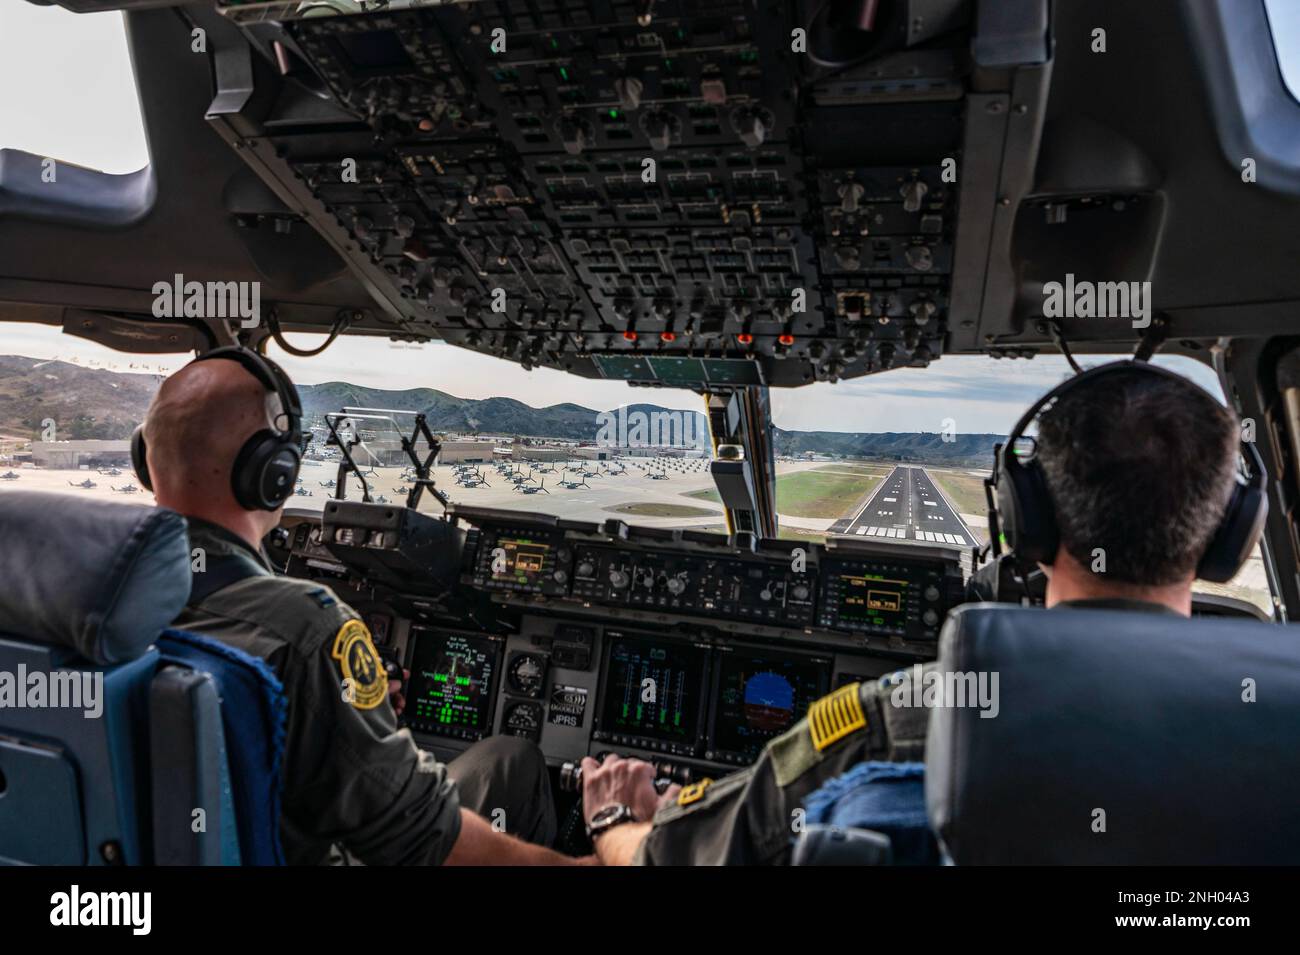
x=564 y=74
x=613 y=114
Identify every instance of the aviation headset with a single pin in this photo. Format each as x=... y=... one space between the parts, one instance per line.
x=264 y=472
x=1027 y=519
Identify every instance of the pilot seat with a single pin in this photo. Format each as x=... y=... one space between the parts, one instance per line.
x=123 y=742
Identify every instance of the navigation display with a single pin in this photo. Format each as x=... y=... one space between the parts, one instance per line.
x=653 y=689
x=452 y=677
x=761 y=695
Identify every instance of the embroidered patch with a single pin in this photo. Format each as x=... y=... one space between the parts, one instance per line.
x=364 y=682
x=835 y=716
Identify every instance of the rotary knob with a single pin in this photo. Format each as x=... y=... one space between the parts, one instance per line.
x=618 y=579
x=586 y=568
x=800 y=592
x=676 y=586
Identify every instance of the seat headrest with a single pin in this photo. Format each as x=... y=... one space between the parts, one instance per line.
x=1120 y=737
x=101 y=578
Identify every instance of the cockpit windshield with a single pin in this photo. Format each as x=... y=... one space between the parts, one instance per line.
x=902 y=455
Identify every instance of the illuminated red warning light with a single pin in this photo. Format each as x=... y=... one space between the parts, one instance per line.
x=785 y=339
x=668 y=336
x=745 y=338
x=630 y=336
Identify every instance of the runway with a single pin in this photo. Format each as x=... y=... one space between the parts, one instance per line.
x=907 y=506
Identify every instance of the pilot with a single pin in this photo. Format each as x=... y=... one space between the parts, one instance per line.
x=1139 y=464
x=213 y=447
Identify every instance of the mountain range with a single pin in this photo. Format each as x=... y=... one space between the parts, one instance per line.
x=96 y=403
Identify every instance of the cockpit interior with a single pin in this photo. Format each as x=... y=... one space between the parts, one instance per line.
x=753 y=217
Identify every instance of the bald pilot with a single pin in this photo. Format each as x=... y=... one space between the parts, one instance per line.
x=218 y=446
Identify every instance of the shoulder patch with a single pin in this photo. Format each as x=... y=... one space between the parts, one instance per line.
x=364 y=682
x=834 y=717
x=693 y=792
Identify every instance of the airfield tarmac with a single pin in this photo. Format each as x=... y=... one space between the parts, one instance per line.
x=636 y=498
x=683 y=499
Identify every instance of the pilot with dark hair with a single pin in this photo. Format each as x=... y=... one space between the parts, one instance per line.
x=1140 y=465
x=350 y=777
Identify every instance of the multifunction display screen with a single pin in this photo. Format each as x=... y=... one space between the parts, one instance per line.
x=653 y=689
x=519 y=560
x=452 y=677
x=761 y=695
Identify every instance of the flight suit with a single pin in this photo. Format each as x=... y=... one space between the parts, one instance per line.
x=750 y=817
x=350 y=776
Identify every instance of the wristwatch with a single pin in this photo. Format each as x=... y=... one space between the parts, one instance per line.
x=615 y=814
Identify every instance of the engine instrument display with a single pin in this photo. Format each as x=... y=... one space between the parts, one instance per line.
x=759 y=696
x=452 y=680
x=652 y=693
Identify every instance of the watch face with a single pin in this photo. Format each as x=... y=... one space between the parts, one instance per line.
x=608 y=813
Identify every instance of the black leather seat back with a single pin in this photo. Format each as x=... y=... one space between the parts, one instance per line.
x=1120 y=738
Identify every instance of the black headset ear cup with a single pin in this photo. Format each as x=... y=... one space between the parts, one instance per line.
x=1235 y=537
x=139 y=461
x=1025 y=515
x=265 y=471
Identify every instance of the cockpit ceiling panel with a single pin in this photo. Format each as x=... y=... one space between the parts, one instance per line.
x=572 y=185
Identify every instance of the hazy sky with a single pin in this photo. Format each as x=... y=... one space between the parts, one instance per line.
x=79 y=104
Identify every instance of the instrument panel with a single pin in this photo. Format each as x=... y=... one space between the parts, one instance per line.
x=896 y=596
x=586 y=637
